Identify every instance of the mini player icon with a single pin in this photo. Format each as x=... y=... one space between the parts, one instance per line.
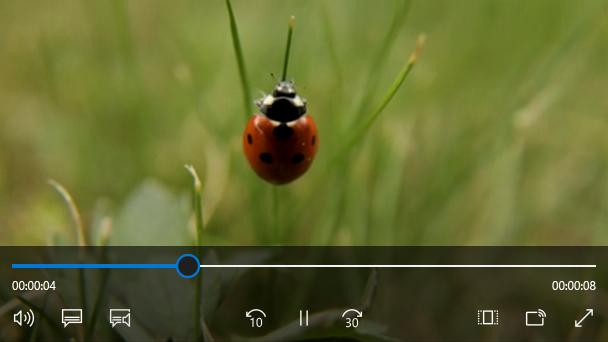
x=487 y=317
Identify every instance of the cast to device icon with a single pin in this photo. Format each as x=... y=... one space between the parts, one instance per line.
x=118 y=316
x=27 y=318
x=531 y=315
x=73 y=316
x=487 y=317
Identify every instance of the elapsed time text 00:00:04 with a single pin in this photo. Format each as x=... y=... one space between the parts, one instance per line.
x=33 y=285
x=573 y=285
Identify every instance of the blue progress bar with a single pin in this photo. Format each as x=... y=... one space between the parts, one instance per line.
x=94 y=265
x=124 y=266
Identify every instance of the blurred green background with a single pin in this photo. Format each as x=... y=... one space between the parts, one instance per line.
x=497 y=137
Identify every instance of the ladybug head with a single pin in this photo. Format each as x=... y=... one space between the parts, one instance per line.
x=284 y=105
x=284 y=89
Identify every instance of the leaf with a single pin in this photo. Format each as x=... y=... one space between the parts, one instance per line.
x=100 y=218
x=160 y=303
x=212 y=285
x=152 y=216
x=164 y=309
x=207 y=337
x=218 y=281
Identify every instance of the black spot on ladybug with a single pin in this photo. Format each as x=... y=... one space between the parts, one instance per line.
x=314 y=140
x=283 y=132
x=298 y=158
x=266 y=158
x=249 y=139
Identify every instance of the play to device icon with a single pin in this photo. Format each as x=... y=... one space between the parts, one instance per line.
x=531 y=317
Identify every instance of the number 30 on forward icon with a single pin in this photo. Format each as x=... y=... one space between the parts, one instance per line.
x=352 y=322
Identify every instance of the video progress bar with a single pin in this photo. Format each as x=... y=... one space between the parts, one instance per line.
x=140 y=266
x=188 y=265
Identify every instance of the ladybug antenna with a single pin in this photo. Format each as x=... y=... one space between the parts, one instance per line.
x=292 y=22
x=273 y=77
x=298 y=88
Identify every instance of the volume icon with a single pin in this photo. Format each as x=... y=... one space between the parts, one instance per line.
x=27 y=318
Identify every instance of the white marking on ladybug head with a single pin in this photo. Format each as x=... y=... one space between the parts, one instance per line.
x=268 y=100
x=274 y=123
x=297 y=101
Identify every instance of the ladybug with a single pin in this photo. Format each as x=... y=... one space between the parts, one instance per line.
x=281 y=142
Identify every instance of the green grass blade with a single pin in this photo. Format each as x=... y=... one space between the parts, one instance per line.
x=97 y=306
x=198 y=204
x=81 y=238
x=84 y=304
x=277 y=235
x=336 y=63
x=198 y=209
x=65 y=194
x=207 y=337
x=361 y=130
x=236 y=42
x=292 y=22
x=372 y=78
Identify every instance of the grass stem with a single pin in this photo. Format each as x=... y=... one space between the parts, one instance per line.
x=84 y=304
x=65 y=194
x=359 y=132
x=81 y=238
x=277 y=234
x=236 y=42
x=292 y=22
x=198 y=204
x=198 y=209
x=363 y=128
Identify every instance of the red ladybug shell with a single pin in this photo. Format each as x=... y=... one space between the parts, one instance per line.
x=280 y=152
